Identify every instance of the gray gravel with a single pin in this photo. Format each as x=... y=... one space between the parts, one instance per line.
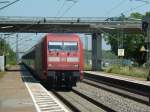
x=116 y=102
x=82 y=104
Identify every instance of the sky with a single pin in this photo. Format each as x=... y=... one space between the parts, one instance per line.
x=73 y=8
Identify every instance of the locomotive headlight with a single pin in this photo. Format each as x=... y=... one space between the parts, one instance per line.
x=72 y=59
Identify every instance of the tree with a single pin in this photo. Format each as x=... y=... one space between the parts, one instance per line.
x=136 y=15
x=7 y=51
x=147 y=13
x=131 y=43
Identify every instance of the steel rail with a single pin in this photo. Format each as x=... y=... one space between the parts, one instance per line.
x=104 y=107
x=68 y=104
x=124 y=93
x=131 y=87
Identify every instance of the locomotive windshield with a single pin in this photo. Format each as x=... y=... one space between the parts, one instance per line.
x=55 y=46
x=62 y=46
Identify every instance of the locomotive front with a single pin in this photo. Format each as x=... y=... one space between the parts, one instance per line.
x=64 y=59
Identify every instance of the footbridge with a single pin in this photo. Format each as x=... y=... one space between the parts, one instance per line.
x=91 y=25
x=67 y=25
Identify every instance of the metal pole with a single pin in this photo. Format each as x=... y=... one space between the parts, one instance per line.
x=4 y=45
x=4 y=52
x=17 y=48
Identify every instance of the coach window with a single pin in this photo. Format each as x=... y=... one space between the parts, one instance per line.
x=70 y=46
x=55 y=46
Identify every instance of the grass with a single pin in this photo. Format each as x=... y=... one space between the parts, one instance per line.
x=1 y=74
x=128 y=71
x=137 y=72
x=87 y=67
x=12 y=62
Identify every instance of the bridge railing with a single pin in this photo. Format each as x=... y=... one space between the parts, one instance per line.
x=64 y=19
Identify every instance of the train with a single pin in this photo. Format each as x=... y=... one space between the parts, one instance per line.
x=57 y=60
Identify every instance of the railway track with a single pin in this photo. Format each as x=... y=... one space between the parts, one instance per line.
x=120 y=91
x=79 y=102
x=88 y=98
x=133 y=91
x=134 y=86
x=76 y=101
x=83 y=98
x=110 y=100
x=43 y=100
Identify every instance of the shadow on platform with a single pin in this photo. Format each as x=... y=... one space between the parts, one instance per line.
x=27 y=76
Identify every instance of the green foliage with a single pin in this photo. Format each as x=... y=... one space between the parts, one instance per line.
x=147 y=13
x=87 y=54
x=128 y=71
x=136 y=15
x=107 y=54
x=130 y=42
x=8 y=52
x=87 y=67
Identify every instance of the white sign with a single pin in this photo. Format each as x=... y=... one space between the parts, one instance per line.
x=120 y=52
x=1 y=63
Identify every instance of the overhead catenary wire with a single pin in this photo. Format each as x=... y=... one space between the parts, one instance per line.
x=26 y=27
x=137 y=7
x=69 y=8
x=4 y=2
x=58 y=12
x=1 y=8
x=26 y=41
x=28 y=48
x=145 y=2
x=115 y=7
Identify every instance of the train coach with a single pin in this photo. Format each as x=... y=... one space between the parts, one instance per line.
x=57 y=60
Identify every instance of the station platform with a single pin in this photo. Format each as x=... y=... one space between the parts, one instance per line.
x=14 y=96
x=119 y=77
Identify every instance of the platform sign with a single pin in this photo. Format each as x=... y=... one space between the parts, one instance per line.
x=120 y=52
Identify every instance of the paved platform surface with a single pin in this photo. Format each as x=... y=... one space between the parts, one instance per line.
x=129 y=79
x=14 y=96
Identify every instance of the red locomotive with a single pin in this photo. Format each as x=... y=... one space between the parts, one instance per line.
x=57 y=59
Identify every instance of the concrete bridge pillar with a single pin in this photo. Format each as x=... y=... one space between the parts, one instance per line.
x=96 y=51
x=147 y=41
